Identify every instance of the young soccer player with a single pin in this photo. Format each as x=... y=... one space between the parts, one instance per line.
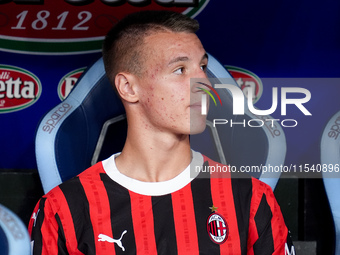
x=144 y=200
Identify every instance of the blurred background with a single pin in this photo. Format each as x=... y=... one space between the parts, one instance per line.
x=46 y=45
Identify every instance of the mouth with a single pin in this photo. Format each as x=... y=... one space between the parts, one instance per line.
x=195 y=105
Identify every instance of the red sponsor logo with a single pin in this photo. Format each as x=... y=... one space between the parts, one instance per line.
x=19 y=88
x=247 y=81
x=67 y=83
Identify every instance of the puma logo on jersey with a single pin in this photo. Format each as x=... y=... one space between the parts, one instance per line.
x=105 y=238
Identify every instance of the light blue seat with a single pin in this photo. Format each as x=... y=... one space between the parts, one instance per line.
x=14 y=237
x=89 y=125
x=330 y=155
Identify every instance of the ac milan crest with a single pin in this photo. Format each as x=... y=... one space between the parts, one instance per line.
x=217 y=228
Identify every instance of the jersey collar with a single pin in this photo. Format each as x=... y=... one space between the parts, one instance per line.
x=154 y=188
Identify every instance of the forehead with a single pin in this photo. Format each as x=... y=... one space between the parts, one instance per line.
x=164 y=46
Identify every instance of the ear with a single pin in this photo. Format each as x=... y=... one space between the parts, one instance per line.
x=126 y=86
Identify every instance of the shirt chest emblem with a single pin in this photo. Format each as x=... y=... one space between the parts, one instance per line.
x=217 y=227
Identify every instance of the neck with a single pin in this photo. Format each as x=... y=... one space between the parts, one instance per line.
x=153 y=156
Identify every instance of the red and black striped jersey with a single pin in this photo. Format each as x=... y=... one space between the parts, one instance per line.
x=102 y=211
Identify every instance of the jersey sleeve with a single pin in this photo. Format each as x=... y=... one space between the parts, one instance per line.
x=268 y=233
x=46 y=230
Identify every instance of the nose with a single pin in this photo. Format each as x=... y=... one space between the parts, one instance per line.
x=200 y=85
x=199 y=81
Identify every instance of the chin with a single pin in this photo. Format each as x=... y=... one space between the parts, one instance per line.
x=197 y=128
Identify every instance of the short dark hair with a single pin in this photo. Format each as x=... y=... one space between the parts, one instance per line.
x=122 y=45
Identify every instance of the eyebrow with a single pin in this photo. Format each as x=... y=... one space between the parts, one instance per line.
x=179 y=59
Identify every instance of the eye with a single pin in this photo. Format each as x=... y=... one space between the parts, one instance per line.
x=179 y=70
x=204 y=68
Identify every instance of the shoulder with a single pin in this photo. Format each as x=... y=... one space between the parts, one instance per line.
x=241 y=181
x=262 y=193
x=256 y=192
x=59 y=196
x=243 y=185
x=68 y=198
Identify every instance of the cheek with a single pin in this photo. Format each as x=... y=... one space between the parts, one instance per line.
x=166 y=97
x=152 y=73
x=148 y=98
